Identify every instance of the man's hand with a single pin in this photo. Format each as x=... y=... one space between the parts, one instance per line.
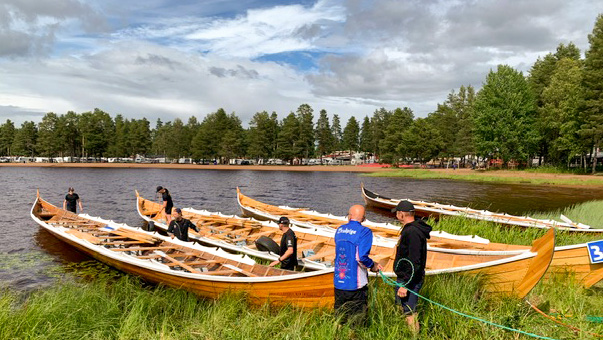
x=274 y=263
x=402 y=292
x=376 y=267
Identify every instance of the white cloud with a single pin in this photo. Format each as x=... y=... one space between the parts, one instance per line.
x=255 y=33
x=163 y=63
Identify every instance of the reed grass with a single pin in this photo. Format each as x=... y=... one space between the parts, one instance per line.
x=489 y=177
x=505 y=234
x=126 y=308
x=589 y=213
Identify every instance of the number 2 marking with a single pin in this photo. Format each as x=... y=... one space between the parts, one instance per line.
x=597 y=253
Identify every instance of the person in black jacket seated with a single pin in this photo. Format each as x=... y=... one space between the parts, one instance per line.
x=411 y=249
x=288 y=251
x=179 y=226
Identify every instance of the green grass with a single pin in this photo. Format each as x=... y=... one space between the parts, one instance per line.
x=487 y=177
x=504 y=234
x=126 y=308
x=589 y=213
x=545 y=169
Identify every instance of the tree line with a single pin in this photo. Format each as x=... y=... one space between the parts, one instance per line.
x=554 y=114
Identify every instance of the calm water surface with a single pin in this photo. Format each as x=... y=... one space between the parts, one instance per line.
x=27 y=252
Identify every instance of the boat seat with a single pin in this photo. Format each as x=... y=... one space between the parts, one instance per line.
x=84 y=236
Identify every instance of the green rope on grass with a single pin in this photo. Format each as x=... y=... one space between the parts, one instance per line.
x=393 y=283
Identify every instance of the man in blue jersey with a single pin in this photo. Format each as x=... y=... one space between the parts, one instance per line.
x=353 y=242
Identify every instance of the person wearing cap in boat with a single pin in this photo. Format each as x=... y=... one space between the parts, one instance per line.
x=71 y=201
x=167 y=204
x=411 y=256
x=288 y=251
x=353 y=243
x=180 y=225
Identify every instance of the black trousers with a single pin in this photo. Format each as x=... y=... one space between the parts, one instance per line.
x=352 y=305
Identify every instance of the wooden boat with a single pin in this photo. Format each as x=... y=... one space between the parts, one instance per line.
x=507 y=274
x=428 y=209
x=571 y=258
x=208 y=272
x=313 y=219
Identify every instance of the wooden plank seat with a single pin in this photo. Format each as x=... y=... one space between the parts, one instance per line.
x=321 y=255
x=311 y=243
x=194 y=263
x=123 y=242
x=381 y=256
x=219 y=272
x=262 y=233
x=179 y=263
x=143 y=248
x=237 y=269
x=84 y=236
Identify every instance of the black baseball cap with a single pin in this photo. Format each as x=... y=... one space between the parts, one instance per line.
x=159 y=188
x=178 y=210
x=283 y=220
x=405 y=206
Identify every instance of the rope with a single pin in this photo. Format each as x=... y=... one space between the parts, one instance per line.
x=393 y=283
x=575 y=329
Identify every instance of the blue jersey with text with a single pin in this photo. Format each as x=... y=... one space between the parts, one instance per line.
x=353 y=243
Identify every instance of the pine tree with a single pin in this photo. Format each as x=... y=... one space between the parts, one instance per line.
x=351 y=135
x=593 y=90
x=305 y=140
x=389 y=146
x=336 y=131
x=324 y=136
x=287 y=148
x=7 y=136
x=366 y=135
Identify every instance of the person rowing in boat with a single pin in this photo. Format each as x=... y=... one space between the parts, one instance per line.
x=180 y=225
x=167 y=204
x=288 y=250
x=71 y=201
x=409 y=265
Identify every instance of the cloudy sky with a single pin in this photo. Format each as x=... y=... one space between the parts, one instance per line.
x=167 y=59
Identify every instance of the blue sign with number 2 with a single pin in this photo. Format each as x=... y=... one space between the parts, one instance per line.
x=595 y=251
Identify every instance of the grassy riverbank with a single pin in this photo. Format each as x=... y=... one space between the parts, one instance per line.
x=498 y=176
x=127 y=309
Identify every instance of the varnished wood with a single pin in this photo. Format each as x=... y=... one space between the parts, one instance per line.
x=185 y=266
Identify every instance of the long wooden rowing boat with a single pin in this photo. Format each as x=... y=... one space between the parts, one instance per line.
x=429 y=209
x=571 y=258
x=316 y=246
x=514 y=274
x=205 y=271
x=312 y=219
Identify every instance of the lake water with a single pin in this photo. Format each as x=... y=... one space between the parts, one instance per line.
x=27 y=252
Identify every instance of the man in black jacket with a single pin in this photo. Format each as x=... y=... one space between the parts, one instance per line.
x=411 y=255
x=179 y=226
x=288 y=251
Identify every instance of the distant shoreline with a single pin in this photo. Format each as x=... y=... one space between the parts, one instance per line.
x=498 y=176
x=330 y=168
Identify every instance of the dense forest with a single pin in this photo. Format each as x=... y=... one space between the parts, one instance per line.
x=554 y=114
